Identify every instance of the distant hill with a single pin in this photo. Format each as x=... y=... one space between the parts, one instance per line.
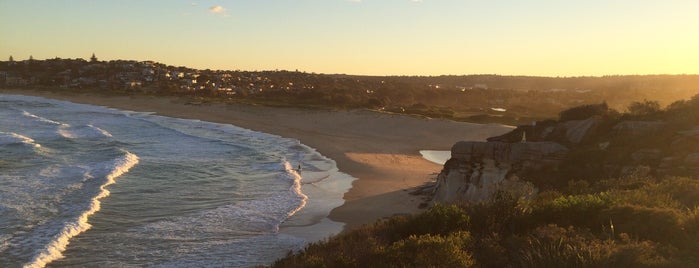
x=475 y=98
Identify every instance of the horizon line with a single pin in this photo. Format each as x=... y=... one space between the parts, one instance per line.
x=371 y=75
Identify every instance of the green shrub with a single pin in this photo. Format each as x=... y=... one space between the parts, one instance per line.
x=684 y=190
x=489 y=250
x=657 y=224
x=677 y=193
x=441 y=219
x=497 y=215
x=691 y=228
x=430 y=251
x=553 y=246
x=576 y=210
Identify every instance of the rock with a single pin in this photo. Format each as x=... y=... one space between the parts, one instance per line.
x=479 y=169
x=691 y=133
x=577 y=130
x=646 y=155
x=686 y=137
x=692 y=159
x=537 y=131
x=667 y=166
x=573 y=131
x=478 y=181
x=637 y=128
x=509 y=152
x=636 y=171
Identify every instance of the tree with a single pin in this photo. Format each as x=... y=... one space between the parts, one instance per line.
x=645 y=107
x=11 y=59
x=93 y=58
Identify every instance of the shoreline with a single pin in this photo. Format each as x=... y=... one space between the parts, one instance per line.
x=382 y=151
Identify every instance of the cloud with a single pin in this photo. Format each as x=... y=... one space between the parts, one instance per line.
x=217 y=9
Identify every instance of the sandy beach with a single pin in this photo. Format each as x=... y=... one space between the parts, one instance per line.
x=380 y=150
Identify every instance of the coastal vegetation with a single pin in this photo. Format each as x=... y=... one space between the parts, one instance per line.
x=643 y=216
x=626 y=195
x=474 y=98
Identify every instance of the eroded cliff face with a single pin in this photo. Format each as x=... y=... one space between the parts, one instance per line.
x=477 y=170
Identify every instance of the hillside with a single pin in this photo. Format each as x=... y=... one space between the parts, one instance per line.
x=474 y=98
x=624 y=195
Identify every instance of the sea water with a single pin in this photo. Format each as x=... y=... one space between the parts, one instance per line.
x=84 y=185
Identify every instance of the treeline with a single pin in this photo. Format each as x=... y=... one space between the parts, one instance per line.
x=476 y=98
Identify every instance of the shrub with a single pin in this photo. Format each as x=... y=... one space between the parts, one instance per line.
x=494 y=216
x=657 y=224
x=584 y=112
x=441 y=219
x=553 y=246
x=576 y=210
x=691 y=228
x=430 y=251
x=643 y=108
x=684 y=190
x=489 y=251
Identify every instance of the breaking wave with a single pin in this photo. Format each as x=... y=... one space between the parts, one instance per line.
x=54 y=249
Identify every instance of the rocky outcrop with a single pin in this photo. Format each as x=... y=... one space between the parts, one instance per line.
x=477 y=170
x=538 y=131
x=601 y=147
x=646 y=155
x=568 y=132
x=637 y=128
x=576 y=131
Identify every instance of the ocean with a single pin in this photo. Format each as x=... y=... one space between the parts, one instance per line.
x=84 y=185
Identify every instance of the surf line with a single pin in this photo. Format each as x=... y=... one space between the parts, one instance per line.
x=54 y=250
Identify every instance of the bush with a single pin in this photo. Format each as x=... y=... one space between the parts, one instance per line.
x=553 y=246
x=576 y=210
x=643 y=108
x=657 y=224
x=495 y=216
x=430 y=251
x=441 y=219
x=584 y=112
x=684 y=190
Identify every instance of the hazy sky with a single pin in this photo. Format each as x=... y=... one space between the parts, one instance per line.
x=377 y=37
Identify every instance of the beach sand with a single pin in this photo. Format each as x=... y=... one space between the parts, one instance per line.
x=380 y=150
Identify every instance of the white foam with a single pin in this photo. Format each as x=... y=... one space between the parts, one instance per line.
x=14 y=138
x=295 y=188
x=83 y=132
x=40 y=119
x=55 y=248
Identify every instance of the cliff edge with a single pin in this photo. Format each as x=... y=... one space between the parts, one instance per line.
x=477 y=170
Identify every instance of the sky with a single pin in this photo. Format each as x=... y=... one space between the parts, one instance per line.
x=366 y=37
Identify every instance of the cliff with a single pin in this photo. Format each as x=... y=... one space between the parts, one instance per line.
x=477 y=170
x=550 y=153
